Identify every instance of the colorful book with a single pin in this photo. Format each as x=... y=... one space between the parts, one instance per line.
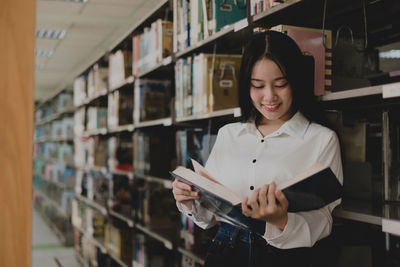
x=313 y=42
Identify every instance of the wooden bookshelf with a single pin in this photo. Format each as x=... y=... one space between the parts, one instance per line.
x=55 y=116
x=192 y=256
x=91 y=204
x=230 y=33
x=235 y=112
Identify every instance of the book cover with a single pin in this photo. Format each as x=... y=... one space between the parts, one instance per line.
x=311 y=41
x=227 y=12
x=309 y=190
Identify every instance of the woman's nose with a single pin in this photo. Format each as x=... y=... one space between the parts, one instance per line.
x=268 y=94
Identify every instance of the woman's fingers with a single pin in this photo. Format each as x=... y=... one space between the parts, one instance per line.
x=181 y=185
x=253 y=200
x=262 y=195
x=245 y=208
x=271 y=195
x=282 y=199
x=183 y=191
x=178 y=191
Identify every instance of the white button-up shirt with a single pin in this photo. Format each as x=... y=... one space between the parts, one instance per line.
x=242 y=159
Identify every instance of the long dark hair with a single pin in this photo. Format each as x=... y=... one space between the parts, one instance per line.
x=296 y=67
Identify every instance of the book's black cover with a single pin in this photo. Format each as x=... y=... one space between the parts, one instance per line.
x=313 y=192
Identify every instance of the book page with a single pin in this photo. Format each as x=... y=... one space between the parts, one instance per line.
x=199 y=169
x=205 y=184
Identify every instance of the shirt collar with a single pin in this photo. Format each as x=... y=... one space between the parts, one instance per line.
x=296 y=126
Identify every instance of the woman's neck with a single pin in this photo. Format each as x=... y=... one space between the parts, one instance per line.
x=266 y=129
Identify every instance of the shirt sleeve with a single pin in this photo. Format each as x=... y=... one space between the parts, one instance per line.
x=303 y=229
x=201 y=216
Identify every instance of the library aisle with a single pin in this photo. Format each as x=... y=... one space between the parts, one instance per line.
x=47 y=249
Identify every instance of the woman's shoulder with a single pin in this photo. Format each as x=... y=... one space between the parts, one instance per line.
x=316 y=129
x=234 y=127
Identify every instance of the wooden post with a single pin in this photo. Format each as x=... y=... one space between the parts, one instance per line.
x=17 y=36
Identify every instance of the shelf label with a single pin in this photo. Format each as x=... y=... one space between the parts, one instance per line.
x=167 y=61
x=167 y=122
x=168 y=245
x=391 y=226
x=237 y=112
x=130 y=79
x=240 y=25
x=391 y=90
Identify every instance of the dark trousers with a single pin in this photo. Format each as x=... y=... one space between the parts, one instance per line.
x=236 y=247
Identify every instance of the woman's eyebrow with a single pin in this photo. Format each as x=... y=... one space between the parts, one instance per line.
x=256 y=80
x=276 y=79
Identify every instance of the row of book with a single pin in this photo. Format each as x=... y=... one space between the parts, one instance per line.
x=58 y=173
x=152 y=46
x=150 y=100
x=120 y=241
x=206 y=83
x=120 y=108
x=61 y=152
x=369 y=175
x=195 y=20
x=258 y=6
x=60 y=128
x=54 y=216
x=114 y=153
x=91 y=151
x=60 y=103
x=193 y=144
x=60 y=198
x=90 y=254
x=94 y=186
x=152 y=152
x=146 y=152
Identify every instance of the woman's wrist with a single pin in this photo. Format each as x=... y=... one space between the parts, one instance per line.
x=281 y=223
x=188 y=204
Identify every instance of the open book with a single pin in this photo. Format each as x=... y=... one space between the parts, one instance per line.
x=309 y=190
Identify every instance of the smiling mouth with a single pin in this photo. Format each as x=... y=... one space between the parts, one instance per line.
x=270 y=108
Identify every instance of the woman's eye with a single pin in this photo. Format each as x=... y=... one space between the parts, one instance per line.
x=257 y=86
x=281 y=85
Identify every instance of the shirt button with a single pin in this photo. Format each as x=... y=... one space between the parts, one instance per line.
x=254 y=161
x=262 y=140
x=251 y=187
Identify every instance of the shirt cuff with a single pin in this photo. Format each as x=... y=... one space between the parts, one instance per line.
x=182 y=208
x=276 y=236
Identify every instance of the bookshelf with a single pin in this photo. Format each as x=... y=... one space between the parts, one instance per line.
x=131 y=178
x=54 y=171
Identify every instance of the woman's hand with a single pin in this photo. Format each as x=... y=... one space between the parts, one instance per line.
x=183 y=193
x=267 y=204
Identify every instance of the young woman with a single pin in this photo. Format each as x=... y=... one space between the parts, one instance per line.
x=279 y=137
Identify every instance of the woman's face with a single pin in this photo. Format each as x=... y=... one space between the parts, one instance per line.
x=270 y=92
